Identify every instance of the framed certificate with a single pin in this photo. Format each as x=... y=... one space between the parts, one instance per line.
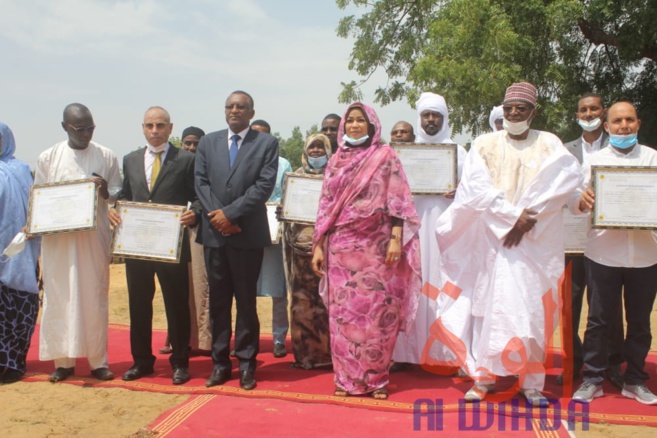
x=430 y=168
x=148 y=231
x=575 y=230
x=301 y=195
x=274 y=225
x=62 y=207
x=625 y=197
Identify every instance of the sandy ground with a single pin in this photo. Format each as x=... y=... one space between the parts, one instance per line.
x=47 y=410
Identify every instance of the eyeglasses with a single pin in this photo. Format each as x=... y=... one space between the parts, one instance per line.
x=520 y=108
x=238 y=106
x=329 y=129
x=81 y=130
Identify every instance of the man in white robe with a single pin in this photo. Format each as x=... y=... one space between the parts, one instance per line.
x=432 y=127
x=502 y=252
x=76 y=265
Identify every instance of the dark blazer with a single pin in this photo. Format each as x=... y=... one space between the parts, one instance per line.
x=575 y=146
x=240 y=192
x=174 y=185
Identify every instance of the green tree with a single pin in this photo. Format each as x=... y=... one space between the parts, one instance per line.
x=471 y=50
x=292 y=148
x=176 y=141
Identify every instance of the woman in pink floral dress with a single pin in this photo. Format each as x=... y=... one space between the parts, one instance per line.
x=367 y=251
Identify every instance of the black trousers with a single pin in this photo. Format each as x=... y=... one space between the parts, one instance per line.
x=616 y=334
x=608 y=288
x=174 y=280
x=233 y=272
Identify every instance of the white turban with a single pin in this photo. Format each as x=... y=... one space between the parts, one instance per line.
x=496 y=114
x=433 y=102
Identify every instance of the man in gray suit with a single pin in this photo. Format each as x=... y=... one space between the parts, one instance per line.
x=590 y=116
x=235 y=175
x=162 y=174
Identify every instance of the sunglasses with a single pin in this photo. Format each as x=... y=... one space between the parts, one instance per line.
x=80 y=130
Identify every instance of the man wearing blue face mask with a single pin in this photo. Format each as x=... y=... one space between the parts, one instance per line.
x=621 y=265
x=590 y=116
x=271 y=282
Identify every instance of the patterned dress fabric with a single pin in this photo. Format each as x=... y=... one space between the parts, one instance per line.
x=368 y=302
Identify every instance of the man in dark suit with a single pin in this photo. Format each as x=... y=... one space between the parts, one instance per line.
x=235 y=175
x=590 y=116
x=162 y=174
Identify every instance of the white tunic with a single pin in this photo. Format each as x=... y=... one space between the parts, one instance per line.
x=410 y=344
x=76 y=265
x=508 y=294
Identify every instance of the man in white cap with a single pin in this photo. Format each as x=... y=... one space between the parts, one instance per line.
x=502 y=251
x=432 y=127
x=496 y=119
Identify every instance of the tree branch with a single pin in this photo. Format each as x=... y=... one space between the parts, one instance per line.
x=598 y=36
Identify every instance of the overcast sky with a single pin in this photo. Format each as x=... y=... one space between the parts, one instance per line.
x=119 y=57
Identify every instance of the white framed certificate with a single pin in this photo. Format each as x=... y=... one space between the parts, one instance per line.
x=300 y=201
x=575 y=230
x=148 y=231
x=62 y=207
x=275 y=227
x=431 y=169
x=625 y=197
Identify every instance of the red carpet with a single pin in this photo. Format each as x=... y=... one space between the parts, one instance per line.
x=278 y=382
x=216 y=415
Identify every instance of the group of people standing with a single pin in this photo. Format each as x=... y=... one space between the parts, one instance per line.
x=467 y=280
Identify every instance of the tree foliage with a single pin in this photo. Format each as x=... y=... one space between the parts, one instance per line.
x=471 y=50
x=292 y=148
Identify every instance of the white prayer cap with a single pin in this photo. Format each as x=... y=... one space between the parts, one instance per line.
x=433 y=102
x=496 y=114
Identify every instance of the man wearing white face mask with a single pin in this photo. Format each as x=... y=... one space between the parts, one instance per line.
x=590 y=115
x=502 y=251
x=621 y=266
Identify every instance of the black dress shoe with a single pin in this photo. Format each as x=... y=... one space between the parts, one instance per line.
x=181 y=375
x=11 y=376
x=102 y=374
x=137 y=372
x=279 y=350
x=247 y=380
x=218 y=377
x=61 y=374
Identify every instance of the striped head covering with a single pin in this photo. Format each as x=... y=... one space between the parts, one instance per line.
x=521 y=92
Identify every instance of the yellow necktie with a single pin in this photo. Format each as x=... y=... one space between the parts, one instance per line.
x=157 y=165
